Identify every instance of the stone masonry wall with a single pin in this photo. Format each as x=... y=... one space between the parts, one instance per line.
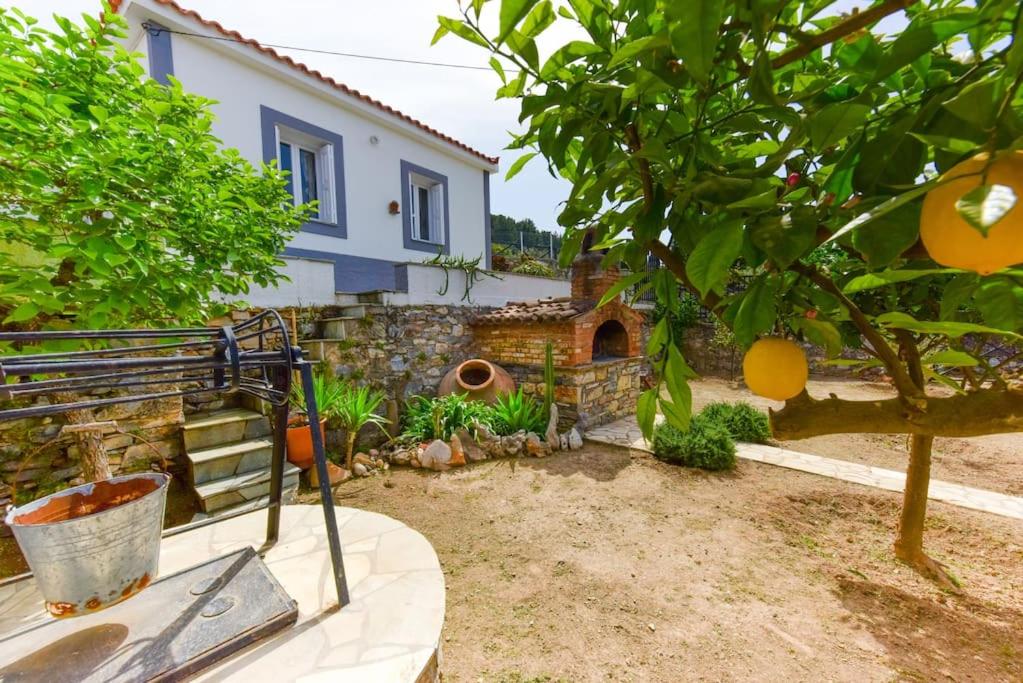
x=589 y=395
x=34 y=461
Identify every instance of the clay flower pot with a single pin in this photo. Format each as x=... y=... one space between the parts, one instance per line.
x=300 y=442
x=92 y=546
x=480 y=379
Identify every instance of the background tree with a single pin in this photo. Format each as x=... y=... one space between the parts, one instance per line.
x=737 y=136
x=119 y=206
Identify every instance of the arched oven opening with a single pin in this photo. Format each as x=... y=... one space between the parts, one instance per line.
x=610 y=340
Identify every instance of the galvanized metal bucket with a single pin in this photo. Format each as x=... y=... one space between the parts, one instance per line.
x=93 y=545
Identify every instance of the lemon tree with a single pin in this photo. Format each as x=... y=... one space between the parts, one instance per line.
x=793 y=146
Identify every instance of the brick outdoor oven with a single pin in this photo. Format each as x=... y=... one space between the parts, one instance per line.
x=597 y=351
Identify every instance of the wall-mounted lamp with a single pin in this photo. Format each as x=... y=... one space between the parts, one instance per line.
x=374 y=140
x=394 y=208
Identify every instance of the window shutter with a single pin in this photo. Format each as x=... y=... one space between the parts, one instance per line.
x=437 y=213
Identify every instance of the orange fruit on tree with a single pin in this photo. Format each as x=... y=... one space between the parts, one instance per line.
x=775 y=368
x=953 y=242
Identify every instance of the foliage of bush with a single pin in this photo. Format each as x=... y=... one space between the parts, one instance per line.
x=515 y=411
x=527 y=265
x=706 y=444
x=742 y=420
x=427 y=419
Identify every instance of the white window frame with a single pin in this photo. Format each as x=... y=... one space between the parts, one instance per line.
x=436 y=225
x=325 y=181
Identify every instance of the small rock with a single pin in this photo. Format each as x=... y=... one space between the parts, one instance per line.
x=472 y=451
x=437 y=456
x=335 y=475
x=388 y=484
x=552 y=429
x=457 y=454
x=414 y=462
x=363 y=459
x=401 y=456
x=651 y=627
x=374 y=453
x=575 y=439
x=563 y=442
x=535 y=448
x=360 y=469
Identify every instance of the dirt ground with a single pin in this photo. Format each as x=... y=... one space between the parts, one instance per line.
x=606 y=565
x=994 y=462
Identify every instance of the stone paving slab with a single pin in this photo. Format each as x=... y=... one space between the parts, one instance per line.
x=626 y=433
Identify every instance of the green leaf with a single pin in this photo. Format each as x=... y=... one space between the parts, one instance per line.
x=100 y=113
x=646 y=412
x=956 y=293
x=1000 y=302
x=923 y=35
x=835 y=122
x=567 y=54
x=708 y=264
x=983 y=206
x=460 y=29
x=953 y=145
x=883 y=240
x=621 y=285
x=952 y=358
x=695 y=36
x=519 y=164
x=658 y=338
x=889 y=277
x=677 y=416
x=883 y=209
x=538 y=19
x=820 y=332
x=953 y=330
x=632 y=50
x=22 y=313
x=784 y=239
x=760 y=84
x=757 y=312
x=512 y=12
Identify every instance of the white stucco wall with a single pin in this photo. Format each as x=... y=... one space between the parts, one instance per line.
x=425 y=283
x=311 y=284
x=217 y=70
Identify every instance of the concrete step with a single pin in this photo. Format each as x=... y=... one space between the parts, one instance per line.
x=356 y=311
x=289 y=496
x=241 y=488
x=319 y=349
x=341 y=327
x=208 y=464
x=346 y=299
x=376 y=296
x=221 y=427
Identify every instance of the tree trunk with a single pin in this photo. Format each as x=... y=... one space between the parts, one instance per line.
x=350 y=448
x=92 y=453
x=909 y=544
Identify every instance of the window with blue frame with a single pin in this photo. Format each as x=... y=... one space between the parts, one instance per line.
x=308 y=162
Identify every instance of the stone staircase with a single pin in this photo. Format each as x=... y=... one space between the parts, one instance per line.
x=229 y=455
x=353 y=309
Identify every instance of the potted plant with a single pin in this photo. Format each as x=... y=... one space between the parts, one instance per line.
x=353 y=407
x=300 y=435
x=93 y=545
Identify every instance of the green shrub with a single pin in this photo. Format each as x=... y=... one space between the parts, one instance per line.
x=742 y=420
x=514 y=412
x=706 y=444
x=427 y=419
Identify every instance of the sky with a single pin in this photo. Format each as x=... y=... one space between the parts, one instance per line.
x=457 y=102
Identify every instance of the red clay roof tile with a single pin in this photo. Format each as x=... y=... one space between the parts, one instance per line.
x=542 y=310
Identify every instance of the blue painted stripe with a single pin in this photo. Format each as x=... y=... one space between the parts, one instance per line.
x=407 y=168
x=356 y=273
x=488 y=247
x=161 y=54
x=269 y=119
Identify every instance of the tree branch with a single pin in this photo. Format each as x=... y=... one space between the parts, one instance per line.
x=677 y=266
x=840 y=30
x=960 y=415
x=903 y=382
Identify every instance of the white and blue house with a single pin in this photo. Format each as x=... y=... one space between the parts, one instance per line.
x=391 y=190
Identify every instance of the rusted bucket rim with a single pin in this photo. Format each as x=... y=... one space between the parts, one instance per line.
x=475 y=364
x=162 y=479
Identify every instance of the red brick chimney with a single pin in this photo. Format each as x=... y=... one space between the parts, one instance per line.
x=589 y=279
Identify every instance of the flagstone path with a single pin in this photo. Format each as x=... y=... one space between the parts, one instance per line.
x=626 y=433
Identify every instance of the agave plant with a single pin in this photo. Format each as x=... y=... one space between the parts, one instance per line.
x=515 y=411
x=353 y=408
x=326 y=387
